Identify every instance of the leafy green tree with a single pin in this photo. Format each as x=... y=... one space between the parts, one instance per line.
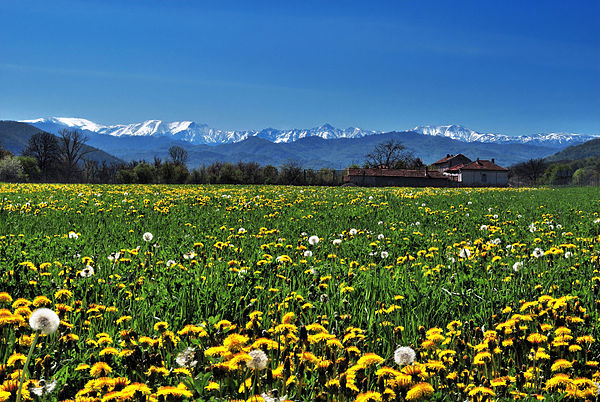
x=30 y=167
x=586 y=177
x=145 y=173
x=271 y=174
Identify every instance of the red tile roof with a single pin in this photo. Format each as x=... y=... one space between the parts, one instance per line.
x=422 y=173
x=447 y=158
x=480 y=164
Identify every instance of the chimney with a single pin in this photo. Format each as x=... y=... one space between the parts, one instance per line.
x=493 y=160
x=447 y=155
x=425 y=170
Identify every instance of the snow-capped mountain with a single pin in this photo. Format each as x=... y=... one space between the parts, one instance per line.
x=460 y=133
x=193 y=132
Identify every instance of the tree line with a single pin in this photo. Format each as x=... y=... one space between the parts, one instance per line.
x=65 y=158
x=581 y=172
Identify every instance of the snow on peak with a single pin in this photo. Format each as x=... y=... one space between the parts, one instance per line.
x=461 y=133
x=195 y=133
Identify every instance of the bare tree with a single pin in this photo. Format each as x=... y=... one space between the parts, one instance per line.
x=44 y=147
x=178 y=154
x=389 y=155
x=72 y=149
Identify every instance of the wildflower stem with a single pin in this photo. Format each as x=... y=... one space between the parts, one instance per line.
x=23 y=373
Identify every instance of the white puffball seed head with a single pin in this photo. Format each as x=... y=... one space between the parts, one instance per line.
x=44 y=320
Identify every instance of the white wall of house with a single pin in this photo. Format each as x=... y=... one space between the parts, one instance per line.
x=484 y=178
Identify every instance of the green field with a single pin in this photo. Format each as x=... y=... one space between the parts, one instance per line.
x=494 y=289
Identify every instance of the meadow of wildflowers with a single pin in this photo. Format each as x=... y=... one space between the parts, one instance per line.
x=298 y=293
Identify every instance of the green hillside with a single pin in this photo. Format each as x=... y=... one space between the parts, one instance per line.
x=15 y=135
x=575 y=152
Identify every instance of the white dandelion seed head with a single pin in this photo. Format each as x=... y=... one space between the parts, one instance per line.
x=189 y=255
x=597 y=220
x=353 y=232
x=259 y=360
x=44 y=320
x=385 y=254
x=517 y=266
x=337 y=242
x=538 y=252
x=44 y=387
x=73 y=235
x=170 y=263
x=186 y=358
x=148 y=236
x=313 y=240
x=87 y=271
x=380 y=223
x=324 y=298
x=483 y=227
x=568 y=254
x=404 y=355
x=308 y=253
x=272 y=396
x=241 y=230
x=380 y=236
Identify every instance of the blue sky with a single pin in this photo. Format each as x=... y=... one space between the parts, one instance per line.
x=513 y=67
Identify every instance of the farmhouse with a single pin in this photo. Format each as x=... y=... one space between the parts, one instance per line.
x=479 y=173
x=451 y=171
x=398 y=177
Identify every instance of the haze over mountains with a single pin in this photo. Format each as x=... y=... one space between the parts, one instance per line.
x=323 y=146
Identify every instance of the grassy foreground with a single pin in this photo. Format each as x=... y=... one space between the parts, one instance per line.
x=287 y=293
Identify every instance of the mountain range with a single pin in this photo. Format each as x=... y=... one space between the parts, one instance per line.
x=202 y=134
x=323 y=146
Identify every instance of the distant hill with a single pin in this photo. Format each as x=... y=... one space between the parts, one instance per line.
x=14 y=136
x=575 y=152
x=316 y=152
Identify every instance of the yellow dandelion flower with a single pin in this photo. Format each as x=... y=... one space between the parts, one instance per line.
x=235 y=342
x=369 y=359
x=5 y=297
x=16 y=358
x=368 y=396
x=418 y=391
x=41 y=301
x=561 y=365
x=178 y=391
x=288 y=318
x=100 y=368
x=212 y=386
x=483 y=391
x=558 y=381
x=537 y=338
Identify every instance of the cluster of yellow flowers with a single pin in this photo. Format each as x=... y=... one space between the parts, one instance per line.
x=534 y=349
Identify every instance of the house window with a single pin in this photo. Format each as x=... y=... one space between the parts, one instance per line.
x=483 y=178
